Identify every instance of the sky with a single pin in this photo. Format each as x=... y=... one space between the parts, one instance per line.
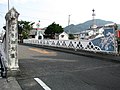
x=58 y=11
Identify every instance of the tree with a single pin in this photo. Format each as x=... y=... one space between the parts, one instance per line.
x=52 y=29
x=116 y=26
x=24 y=28
x=71 y=36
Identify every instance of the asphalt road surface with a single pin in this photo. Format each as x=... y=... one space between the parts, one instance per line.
x=43 y=69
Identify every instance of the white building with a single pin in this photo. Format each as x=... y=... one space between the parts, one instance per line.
x=37 y=33
x=92 y=33
x=64 y=36
x=76 y=36
x=84 y=34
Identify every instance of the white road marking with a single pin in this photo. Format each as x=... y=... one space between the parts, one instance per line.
x=42 y=84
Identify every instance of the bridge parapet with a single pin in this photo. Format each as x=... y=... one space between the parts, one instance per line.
x=106 y=43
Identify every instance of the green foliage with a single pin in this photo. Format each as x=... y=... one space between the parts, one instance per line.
x=71 y=36
x=52 y=29
x=118 y=39
x=116 y=26
x=24 y=28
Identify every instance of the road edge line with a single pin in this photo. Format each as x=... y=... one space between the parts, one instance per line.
x=42 y=83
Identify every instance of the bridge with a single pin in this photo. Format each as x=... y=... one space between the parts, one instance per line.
x=66 y=70
x=60 y=64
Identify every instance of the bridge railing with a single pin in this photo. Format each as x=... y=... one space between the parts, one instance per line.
x=102 y=43
x=59 y=43
x=74 y=44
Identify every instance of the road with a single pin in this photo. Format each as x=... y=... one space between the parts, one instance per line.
x=43 y=69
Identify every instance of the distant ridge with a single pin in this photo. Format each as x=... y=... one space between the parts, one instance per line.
x=83 y=26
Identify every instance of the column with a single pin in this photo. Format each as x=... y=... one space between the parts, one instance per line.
x=12 y=39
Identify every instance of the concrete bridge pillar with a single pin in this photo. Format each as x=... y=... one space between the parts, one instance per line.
x=12 y=39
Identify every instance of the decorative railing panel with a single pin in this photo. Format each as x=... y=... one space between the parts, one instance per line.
x=105 y=43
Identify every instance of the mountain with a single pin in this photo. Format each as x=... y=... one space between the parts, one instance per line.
x=83 y=26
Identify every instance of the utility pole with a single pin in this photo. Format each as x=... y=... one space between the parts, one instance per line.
x=8 y=5
x=69 y=20
x=93 y=17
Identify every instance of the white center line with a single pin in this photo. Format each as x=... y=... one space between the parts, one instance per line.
x=42 y=84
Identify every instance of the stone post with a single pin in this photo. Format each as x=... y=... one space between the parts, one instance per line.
x=12 y=39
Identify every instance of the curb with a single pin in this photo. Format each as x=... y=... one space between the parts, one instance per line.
x=13 y=84
x=9 y=84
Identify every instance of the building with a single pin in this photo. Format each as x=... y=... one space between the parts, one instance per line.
x=76 y=36
x=118 y=33
x=92 y=33
x=84 y=34
x=64 y=36
x=97 y=32
x=37 y=33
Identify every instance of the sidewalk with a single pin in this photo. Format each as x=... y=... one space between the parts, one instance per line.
x=9 y=84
